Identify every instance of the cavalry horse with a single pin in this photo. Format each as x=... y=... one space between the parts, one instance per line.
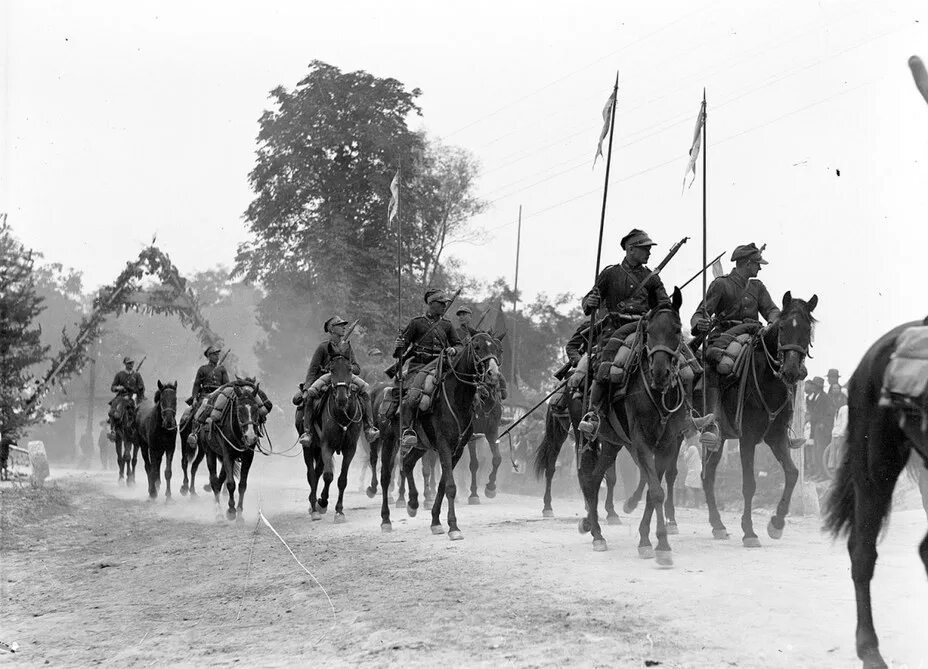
x=157 y=436
x=653 y=413
x=557 y=429
x=335 y=428
x=446 y=429
x=126 y=437
x=190 y=456
x=764 y=401
x=487 y=418
x=879 y=441
x=230 y=440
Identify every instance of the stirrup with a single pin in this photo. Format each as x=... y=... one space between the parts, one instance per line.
x=701 y=422
x=409 y=438
x=710 y=439
x=372 y=434
x=589 y=425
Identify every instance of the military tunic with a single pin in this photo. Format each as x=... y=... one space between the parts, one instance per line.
x=465 y=332
x=319 y=364
x=616 y=284
x=130 y=381
x=735 y=299
x=427 y=341
x=209 y=377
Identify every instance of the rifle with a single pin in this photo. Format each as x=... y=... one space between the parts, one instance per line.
x=395 y=368
x=350 y=330
x=699 y=273
x=144 y=358
x=532 y=410
x=223 y=358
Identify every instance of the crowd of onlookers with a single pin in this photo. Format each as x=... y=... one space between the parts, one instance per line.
x=826 y=421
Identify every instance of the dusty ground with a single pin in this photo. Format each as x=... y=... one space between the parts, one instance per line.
x=98 y=575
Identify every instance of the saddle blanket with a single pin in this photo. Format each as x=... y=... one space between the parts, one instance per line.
x=907 y=372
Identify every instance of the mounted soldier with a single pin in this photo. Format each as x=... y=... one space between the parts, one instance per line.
x=317 y=378
x=422 y=341
x=732 y=300
x=209 y=377
x=465 y=330
x=373 y=371
x=129 y=388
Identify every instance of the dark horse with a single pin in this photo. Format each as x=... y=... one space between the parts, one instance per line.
x=653 y=414
x=126 y=441
x=157 y=436
x=190 y=456
x=233 y=438
x=335 y=429
x=447 y=428
x=766 y=391
x=486 y=422
x=879 y=441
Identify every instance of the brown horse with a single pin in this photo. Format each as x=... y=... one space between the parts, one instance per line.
x=125 y=430
x=157 y=436
x=879 y=441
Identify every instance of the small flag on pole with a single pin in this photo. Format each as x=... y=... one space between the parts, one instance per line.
x=607 y=116
x=394 y=197
x=697 y=142
x=717 y=269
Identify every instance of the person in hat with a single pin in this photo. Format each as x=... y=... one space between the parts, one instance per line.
x=820 y=412
x=465 y=330
x=209 y=377
x=835 y=389
x=373 y=371
x=126 y=384
x=616 y=287
x=732 y=299
x=317 y=378
x=422 y=340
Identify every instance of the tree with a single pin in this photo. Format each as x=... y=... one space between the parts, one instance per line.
x=20 y=337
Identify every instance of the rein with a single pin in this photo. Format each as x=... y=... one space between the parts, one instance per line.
x=228 y=418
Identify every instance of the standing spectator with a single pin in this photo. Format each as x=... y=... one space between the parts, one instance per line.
x=105 y=446
x=821 y=413
x=692 y=487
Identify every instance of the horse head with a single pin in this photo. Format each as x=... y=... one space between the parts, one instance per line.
x=794 y=333
x=663 y=336
x=340 y=374
x=485 y=351
x=246 y=416
x=166 y=400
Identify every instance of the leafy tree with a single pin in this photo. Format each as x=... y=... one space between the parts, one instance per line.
x=20 y=337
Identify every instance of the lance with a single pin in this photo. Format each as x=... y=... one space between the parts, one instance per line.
x=699 y=273
x=144 y=358
x=350 y=330
x=532 y=410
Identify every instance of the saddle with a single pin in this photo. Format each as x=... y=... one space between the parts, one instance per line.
x=905 y=381
x=422 y=388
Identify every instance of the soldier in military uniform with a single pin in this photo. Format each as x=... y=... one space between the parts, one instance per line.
x=319 y=368
x=732 y=299
x=426 y=336
x=127 y=383
x=465 y=330
x=373 y=372
x=209 y=377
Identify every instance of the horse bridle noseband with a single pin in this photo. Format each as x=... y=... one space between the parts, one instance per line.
x=650 y=351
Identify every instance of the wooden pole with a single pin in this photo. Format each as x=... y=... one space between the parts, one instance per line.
x=515 y=299
x=705 y=150
x=399 y=308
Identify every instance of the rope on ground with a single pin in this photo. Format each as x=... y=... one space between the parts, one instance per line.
x=251 y=554
x=264 y=519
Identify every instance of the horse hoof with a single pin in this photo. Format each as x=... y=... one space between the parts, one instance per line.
x=437 y=529
x=672 y=528
x=774 y=532
x=207 y=488
x=473 y=499
x=751 y=542
x=239 y=518
x=629 y=506
x=400 y=503
x=121 y=482
x=386 y=528
x=599 y=545
x=873 y=660
x=322 y=507
x=455 y=535
x=645 y=552
x=584 y=526
x=664 y=558
x=547 y=513
x=340 y=518
x=613 y=519
x=230 y=514
x=720 y=533
x=315 y=515
x=183 y=490
x=391 y=499
x=412 y=511
x=489 y=492
x=371 y=492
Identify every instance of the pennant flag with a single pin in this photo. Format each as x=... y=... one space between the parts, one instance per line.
x=717 y=269
x=394 y=197
x=694 y=148
x=607 y=116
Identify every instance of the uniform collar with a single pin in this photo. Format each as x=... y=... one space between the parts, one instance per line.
x=433 y=317
x=626 y=265
x=739 y=279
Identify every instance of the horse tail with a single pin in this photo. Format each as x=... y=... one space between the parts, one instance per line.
x=840 y=502
x=550 y=447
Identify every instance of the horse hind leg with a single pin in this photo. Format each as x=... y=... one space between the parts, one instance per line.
x=474 y=467
x=719 y=531
x=496 y=459
x=748 y=487
x=612 y=518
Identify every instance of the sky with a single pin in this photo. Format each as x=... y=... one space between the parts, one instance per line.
x=122 y=121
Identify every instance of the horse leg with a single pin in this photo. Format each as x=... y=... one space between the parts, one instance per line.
x=214 y=481
x=247 y=458
x=151 y=458
x=184 y=463
x=651 y=469
x=400 y=485
x=708 y=485
x=748 y=487
x=450 y=491
x=409 y=465
x=134 y=449
x=591 y=482
x=168 y=462
x=550 y=468
x=229 y=468
x=497 y=459
x=474 y=466
x=119 y=460
x=328 y=475
x=670 y=510
x=198 y=458
x=612 y=518
x=312 y=480
x=372 y=488
x=347 y=456
x=386 y=473
x=780 y=448
x=632 y=502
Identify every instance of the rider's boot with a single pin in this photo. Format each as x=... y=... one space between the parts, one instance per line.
x=710 y=436
x=370 y=431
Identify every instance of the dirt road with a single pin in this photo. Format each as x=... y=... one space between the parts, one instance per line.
x=105 y=577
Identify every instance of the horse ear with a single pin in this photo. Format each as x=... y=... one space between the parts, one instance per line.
x=160 y=387
x=787 y=298
x=676 y=301
x=812 y=303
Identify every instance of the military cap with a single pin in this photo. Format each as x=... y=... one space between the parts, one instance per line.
x=127 y=360
x=637 y=238
x=332 y=322
x=463 y=309
x=210 y=350
x=747 y=252
x=818 y=381
x=435 y=295
x=833 y=373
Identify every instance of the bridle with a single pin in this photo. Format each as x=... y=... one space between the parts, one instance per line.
x=476 y=379
x=166 y=410
x=650 y=351
x=351 y=392
x=775 y=365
